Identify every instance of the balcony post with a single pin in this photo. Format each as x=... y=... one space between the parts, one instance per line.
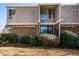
x=59 y=19
x=39 y=19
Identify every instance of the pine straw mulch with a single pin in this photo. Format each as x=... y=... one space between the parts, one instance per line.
x=23 y=50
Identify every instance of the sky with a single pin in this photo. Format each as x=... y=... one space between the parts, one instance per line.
x=3 y=11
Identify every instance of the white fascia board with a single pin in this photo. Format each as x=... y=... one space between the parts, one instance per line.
x=25 y=26
x=49 y=4
x=68 y=4
x=22 y=24
x=47 y=23
x=69 y=23
x=50 y=23
x=11 y=8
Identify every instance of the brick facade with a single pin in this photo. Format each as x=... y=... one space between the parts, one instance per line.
x=25 y=30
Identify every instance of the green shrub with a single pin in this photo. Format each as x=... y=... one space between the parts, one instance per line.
x=0 y=38
x=30 y=39
x=68 y=38
x=48 y=40
x=25 y=39
x=33 y=40
x=9 y=37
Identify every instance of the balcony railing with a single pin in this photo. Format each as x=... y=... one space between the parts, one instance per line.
x=46 y=16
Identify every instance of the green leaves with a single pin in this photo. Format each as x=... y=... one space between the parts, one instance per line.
x=30 y=39
x=69 y=38
x=48 y=40
x=9 y=37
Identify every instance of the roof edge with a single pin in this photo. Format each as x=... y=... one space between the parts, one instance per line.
x=19 y=6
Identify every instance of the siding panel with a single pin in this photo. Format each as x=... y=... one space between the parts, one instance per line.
x=25 y=15
x=68 y=14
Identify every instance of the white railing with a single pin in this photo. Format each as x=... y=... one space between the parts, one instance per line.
x=45 y=16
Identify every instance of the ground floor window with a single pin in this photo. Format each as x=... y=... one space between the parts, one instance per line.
x=46 y=29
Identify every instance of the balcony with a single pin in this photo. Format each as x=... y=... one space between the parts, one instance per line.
x=45 y=18
x=49 y=13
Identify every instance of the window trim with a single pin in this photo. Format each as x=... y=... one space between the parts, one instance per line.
x=13 y=12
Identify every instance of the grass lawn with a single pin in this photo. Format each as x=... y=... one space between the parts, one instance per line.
x=36 y=51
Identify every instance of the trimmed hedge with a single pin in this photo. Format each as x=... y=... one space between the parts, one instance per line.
x=49 y=40
x=9 y=37
x=69 y=39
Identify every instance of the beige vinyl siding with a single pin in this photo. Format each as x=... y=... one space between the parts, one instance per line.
x=78 y=13
x=68 y=14
x=57 y=13
x=25 y=15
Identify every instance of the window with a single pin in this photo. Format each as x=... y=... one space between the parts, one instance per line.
x=43 y=14
x=11 y=13
x=50 y=13
x=46 y=29
x=53 y=13
x=47 y=14
x=43 y=29
x=43 y=11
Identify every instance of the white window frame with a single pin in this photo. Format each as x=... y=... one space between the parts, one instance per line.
x=13 y=16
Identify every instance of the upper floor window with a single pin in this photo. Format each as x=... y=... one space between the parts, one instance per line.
x=47 y=14
x=11 y=13
x=43 y=14
x=53 y=13
x=43 y=11
x=50 y=14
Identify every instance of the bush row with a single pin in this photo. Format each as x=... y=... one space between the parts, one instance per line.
x=46 y=40
x=69 y=39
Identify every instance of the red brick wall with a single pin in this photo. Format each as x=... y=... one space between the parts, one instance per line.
x=24 y=30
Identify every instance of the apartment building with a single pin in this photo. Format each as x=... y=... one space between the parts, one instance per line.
x=43 y=18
